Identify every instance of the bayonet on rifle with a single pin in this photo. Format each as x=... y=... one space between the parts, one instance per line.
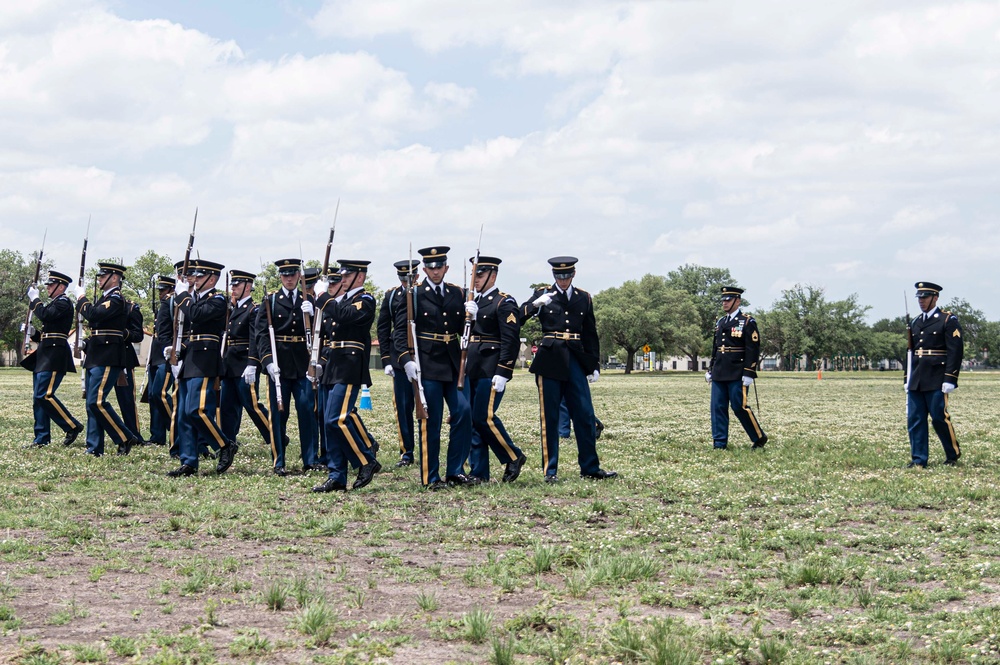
x=38 y=276
x=419 y=398
x=467 y=329
x=318 y=321
x=178 y=314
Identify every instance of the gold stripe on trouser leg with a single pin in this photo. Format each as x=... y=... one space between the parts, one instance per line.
x=490 y=414
x=753 y=419
x=541 y=407
x=213 y=430
x=174 y=425
x=50 y=395
x=342 y=423
x=104 y=412
x=425 y=473
x=951 y=429
x=399 y=426
x=270 y=421
x=135 y=405
x=256 y=402
x=361 y=429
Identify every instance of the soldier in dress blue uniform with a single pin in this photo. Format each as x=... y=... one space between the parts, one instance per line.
x=493 y=345
x=732 y=370
x=346 y=324
x=568 y=357
x=937 y=358
x=439 y=313
x=105 y=360
x=161 y=383
x=402 y=394
x=290 y=364
x=51 y=360
x=236 y=395
x=125 y=386
x=199 y=365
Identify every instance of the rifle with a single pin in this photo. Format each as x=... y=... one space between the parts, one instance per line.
x=909 y=352
x=229 y=311
x=78 y=345
x=178 y=315
x=274 y=353
x=318 y=321
x=467 y=329
x=38 y=275
x=144 y=390
x=306 y=319
x=411 y=342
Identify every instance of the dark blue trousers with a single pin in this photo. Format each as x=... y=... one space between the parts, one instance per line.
x=48 y=408
x=920 y=404
x=565 y=429
x=235 y=397
x=576 y=392
x=161 y=402
x=460 y=431
x=726 y=394
x=125 y=396
x=301 y=391
x=100 y=382
x=488 y=430
x=198 y=404
x=402 y=402
x=345 y=440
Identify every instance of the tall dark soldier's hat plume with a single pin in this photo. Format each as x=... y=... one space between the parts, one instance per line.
x=925 y=289
x=288 y=266
x=56 y=277
x=730 y=292
x=241 y=276
x=107 y=268
x=563 y=267
x=486 y=264
x=405 y=268
x=434 y=257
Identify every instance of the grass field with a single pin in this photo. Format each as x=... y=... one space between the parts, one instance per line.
x=821 y=548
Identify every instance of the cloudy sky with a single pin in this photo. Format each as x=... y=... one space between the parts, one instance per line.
x=851 y=145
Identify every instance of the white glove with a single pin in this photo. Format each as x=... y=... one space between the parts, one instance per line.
x=176 y=369
x=747 y=381
x=181 y=286
x=272 y=370
x=31 y=331
x=166 y=352
x=499 y=383
x=250 y=375
x=471 y=308
x=389 y=371
x=32 y=292
x=708 y=377
x=593 y=377
x=307 y=308
x=317 y=370
x=542 y=300
x=411 y=370
x=948 y=388
x=79 y=291
x=322 y=286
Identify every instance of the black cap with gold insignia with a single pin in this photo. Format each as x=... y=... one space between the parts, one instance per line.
x=202 y=267
x=106 y=268
x=925 y=289
x=730 y=292
x=486 y=263
x=563 y=266
x=179 y=267
x=434 y=257
x=348 y=266
x=56 y=277
x=241 y=276
x=165 y=282
x=401 y=267
x=311 y=275
x=288 y=266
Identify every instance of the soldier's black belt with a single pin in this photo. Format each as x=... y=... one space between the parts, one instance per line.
x=289 y=339
x=346 y=345
x=732 y=349
x=483 y=340
x=113 y=333
x=51 y=335
x=562 y=335
x=239 y=342
x=203 y=338
x=437 y=337
x=930 y=352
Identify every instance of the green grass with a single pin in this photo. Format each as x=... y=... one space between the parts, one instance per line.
x=819 y=548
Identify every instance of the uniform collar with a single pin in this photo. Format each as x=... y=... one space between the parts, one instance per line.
x=350 y=294
x=242 y=300
x=930 y=315
x=487 y=291
x=734 y=314
x=112 y=290
x=568 y=291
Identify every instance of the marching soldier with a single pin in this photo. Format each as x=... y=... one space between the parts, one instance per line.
x=105 y=360
x=236 y=395
x=347 y=320
x=567 y=358
x=199 y=365
x=161 y=383
x=439 y=313
x=125 y=386
x=732 y=370
x=288 y=365
x=493 y=347
x=937 y=358
x=51 y=360
x=402 y=395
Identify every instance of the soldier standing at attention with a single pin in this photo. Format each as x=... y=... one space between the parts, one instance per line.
x=493 y=347
x=567 y=358
x=439 y=312
x=161 y=399
x=108 y=319
x=937 y=358
x=51 y=360
x=199 y=365
x=236 y=394
x=288 y=368
x=732 y=371
x=402 y=394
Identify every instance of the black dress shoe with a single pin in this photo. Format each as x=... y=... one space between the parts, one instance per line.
x=951 y=462
x=375 y=449
x=551 y=479
x=280 y=471
x=461 y=479
x=365 y=474
x=913 y=464
x=438 y=485
x=208 y=455
x=93 y=453
x=315 y=467
x=600 y=474
x=71 y=435
x=35 y=444
x=125 y=447
x=330 y=485
x=404 y=462
x=760 y=442
x=513 y=469
x=600 y=430
x=226 y=456
x=184 y=470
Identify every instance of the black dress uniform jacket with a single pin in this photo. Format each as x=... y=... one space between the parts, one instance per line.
x=347 y=338
x=289 y=332
x=239 y=338
x=736 y=348
x=108 y=319
x=133 y=334
x=496 y=337
x=163 y=330
x=53 y=353
x=440 y=320
x=937 y=351
x=569 y=333
x=205 y=319
x=392 y=301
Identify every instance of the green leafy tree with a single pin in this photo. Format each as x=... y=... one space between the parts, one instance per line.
x=973 y=321
x=703 y=285
x=16 y=275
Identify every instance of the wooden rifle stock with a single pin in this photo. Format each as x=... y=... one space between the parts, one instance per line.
x=411 y=325
x=27 y=320
x=274 y=353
